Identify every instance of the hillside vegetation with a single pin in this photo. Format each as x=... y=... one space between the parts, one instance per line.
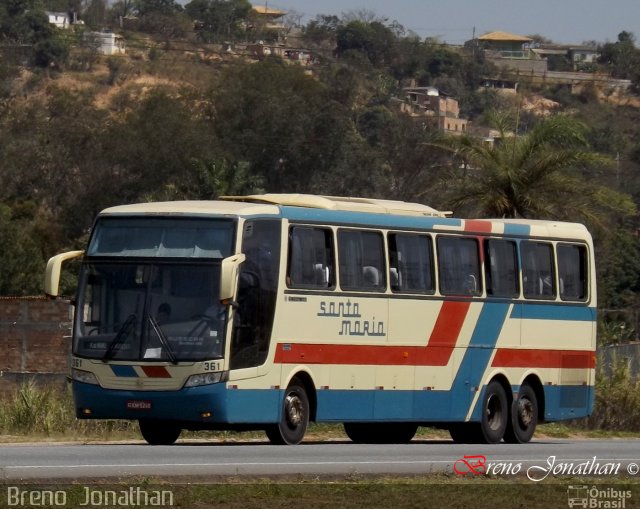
x=190 y=113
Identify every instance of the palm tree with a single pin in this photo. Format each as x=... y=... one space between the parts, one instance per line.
x=546 y=173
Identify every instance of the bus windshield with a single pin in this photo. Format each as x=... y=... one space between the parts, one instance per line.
x=149 y=311
x=162 y=237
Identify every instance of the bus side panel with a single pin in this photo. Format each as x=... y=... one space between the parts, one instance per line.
x=345 y=405
x=568 y=401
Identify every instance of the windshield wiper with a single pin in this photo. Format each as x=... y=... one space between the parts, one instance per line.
x=163 y=339
x=121 y=336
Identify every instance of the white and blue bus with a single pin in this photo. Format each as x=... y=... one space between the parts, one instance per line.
x=273 y=311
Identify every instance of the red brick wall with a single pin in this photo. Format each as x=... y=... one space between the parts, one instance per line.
x=34 y=340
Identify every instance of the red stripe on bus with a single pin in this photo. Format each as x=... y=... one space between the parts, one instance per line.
x=448 y=324
x=156 y=371
x=475 y=225
x=436 y=353
x=362 y=355
x=535 y=358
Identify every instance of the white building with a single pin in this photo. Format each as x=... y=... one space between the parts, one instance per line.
x=59 y=19
x=107 y=43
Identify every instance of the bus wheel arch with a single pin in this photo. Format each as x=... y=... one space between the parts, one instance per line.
x=295 y=414
x=304 y=378
x=536 y=385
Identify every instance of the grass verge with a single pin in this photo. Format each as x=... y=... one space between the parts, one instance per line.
x=399 y=493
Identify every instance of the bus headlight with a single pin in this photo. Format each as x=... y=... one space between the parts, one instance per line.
x=206 y=379
x=84 y=376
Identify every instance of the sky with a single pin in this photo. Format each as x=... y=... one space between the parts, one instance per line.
x=453 y=21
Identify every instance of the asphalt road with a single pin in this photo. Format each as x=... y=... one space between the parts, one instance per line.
x=540 y=457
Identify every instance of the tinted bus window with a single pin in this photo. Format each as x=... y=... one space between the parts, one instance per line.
x=361 y=257
x=459 y=266
x=310 y=258
x=501 y=268
x=411 y=263
x=257 y=290
x=572 y=269
x=537 y=270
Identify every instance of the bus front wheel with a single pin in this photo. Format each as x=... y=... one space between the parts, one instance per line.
x=159 y=432
x=295 y=417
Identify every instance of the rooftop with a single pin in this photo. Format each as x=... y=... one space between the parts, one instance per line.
x=504 y=36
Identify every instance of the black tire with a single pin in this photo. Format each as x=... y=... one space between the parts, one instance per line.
x=295 y=417
x=380 y=432
x=465 y=433
x=524 y=416
x=495 y=414
x=159 y=432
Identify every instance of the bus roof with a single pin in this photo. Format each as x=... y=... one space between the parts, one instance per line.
x=363 y=211
x=343 y=203
x=190 y=208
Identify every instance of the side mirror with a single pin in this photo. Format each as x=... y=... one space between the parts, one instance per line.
x=54 y=265
x=229 y=277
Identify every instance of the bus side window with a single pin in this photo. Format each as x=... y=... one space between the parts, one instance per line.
x=572 y=269
x=410 y=263
x=501 y=268
x=361 y=260
x=459 y=266
x=310 y=263
x=537 y=270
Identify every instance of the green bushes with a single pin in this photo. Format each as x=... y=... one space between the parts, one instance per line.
x=37 y=411
x=617 y=405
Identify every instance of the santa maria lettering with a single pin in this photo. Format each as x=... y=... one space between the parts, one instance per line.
x=351 y=323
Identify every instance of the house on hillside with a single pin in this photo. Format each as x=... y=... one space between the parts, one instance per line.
x=106 y=43
x=59 y=19
x=506 y=45
x=577 y=58
x=63 y=20
x=433 y=107
x=510 y=51
x=265 y=20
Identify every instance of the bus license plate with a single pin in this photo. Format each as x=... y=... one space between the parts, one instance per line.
x=136 y=404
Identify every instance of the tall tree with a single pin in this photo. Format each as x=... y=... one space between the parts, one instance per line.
x=541 y=174
x=622 y=57
x=218 y=20
x=290 y=129
x=373 y=39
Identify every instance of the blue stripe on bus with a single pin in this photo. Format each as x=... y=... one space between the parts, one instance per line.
x=476 y=357
x=554 y=312
x=124 y=371
x=263 y=405
x=364 y=218
x=517 y=229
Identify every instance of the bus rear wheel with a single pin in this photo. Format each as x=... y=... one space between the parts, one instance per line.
x=295 y=417
x=157 y=432
x=524 y=416
x=380 y=432
x=495 y=414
